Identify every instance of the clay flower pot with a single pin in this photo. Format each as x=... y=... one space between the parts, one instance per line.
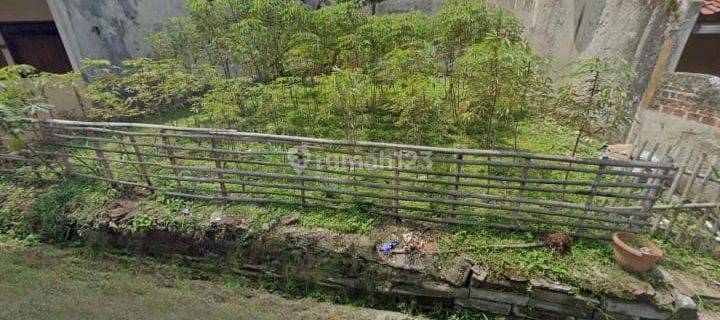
x=634 y=259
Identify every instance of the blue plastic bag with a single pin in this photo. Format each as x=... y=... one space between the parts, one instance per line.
x=388 y=246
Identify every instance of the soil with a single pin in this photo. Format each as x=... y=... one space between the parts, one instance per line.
x=560 y=243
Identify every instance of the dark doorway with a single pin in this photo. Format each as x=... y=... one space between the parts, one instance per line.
x=3 y=63
x=703 y=47
x=37 y=44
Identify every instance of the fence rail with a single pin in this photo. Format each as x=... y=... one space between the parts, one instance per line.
x=502 y=189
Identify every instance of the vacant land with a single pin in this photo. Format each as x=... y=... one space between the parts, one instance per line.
x=44 y=282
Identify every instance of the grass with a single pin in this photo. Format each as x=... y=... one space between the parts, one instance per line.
x=50 y=208
x=43 y=282
x=590 y=266
x=46 y=282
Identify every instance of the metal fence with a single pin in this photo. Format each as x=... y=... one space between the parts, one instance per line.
x=501 y=189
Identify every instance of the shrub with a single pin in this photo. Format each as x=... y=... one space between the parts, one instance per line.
x=593 y=99
x=143 y=86
x=338 y=73
x=20 y=101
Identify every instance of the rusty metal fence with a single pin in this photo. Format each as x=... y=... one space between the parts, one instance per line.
x=501 y=189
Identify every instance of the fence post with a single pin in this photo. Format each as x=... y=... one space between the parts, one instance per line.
x=171 y=157
x=396 y=183
x=716 y=213
x=593 y=189
x=684 y=196
x=627 y=178
x=63 y=154
x=219 y=165
x=141 y=166
x=101 y=158
x=681 y=237
x=458 y=171
x=301 y=171
x=669 y=194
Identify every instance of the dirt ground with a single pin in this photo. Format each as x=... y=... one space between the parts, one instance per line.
x=44 y=282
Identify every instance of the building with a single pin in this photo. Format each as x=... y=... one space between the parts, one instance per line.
x=684 y=110
x=55 y=35
x=28 y=35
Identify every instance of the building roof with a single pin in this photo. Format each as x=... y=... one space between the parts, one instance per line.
x=711 y=7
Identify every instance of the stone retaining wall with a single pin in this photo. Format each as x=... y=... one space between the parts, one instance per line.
x=350 y=265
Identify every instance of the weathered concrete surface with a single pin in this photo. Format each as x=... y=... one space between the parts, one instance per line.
x=568 y=30
x=351 y=265
x=110 y=29
x=685 y=112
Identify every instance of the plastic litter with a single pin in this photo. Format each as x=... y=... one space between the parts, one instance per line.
x=408 y=237
x=388 y=246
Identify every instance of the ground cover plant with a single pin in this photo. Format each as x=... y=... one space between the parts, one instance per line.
x=85 y=205
x=462 y=77
x=85 y=283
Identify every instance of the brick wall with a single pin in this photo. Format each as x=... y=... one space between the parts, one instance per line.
x=692 y=97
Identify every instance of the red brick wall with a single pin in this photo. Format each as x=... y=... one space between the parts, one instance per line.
x=691 y=97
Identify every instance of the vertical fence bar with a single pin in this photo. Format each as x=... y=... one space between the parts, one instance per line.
x=649 y=157
x=593 y=189
x=396 y=183
x=525 y=175
x=171 y=157
x=62 y=152
x=671 y=191
x=628 y=178
x=681 y=235
x=141 y=166
x=219 y=165
x=655 y=190
x=684 y=196
x=101 y=159
x=716 y=228
x=619 y=178
x=679 y=176
x=458 y=171
x=301 y=171
x=698 y=196
x=701 y=223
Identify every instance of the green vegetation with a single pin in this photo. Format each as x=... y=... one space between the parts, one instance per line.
x=44 y=282
x=20 y=101
x=462 y=75
x=594 y=102
x=27 y=213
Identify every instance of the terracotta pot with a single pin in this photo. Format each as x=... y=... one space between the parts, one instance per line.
x=632 y=259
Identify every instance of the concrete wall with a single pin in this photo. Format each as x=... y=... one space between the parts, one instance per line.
x=110 y=29
x=568 y=30
x=563 y=30
x=685 y=111
x=59 y=92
